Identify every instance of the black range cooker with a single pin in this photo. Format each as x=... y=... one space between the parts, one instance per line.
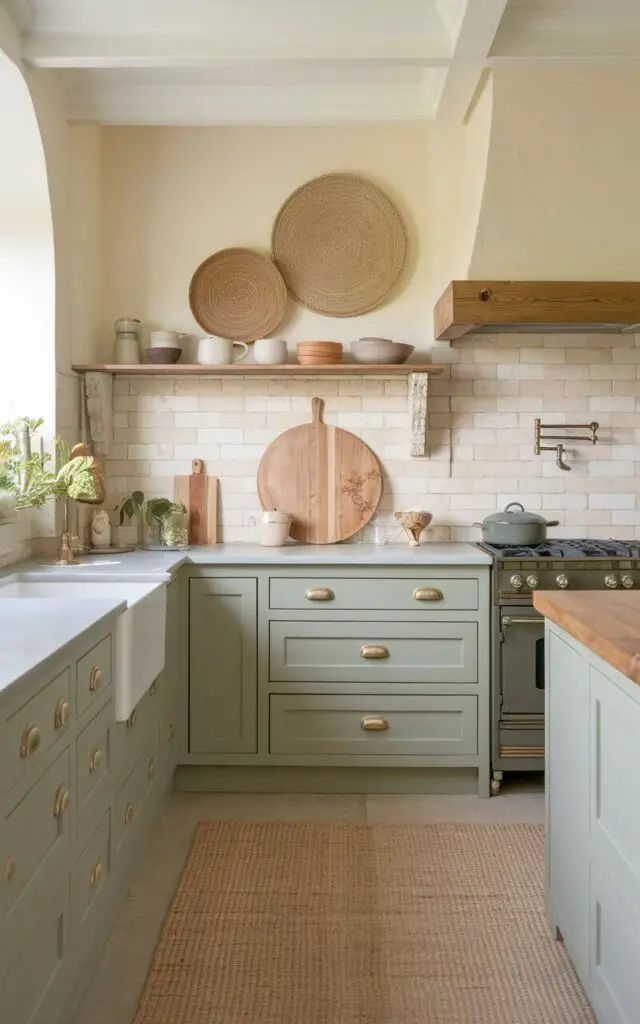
x=517 y=673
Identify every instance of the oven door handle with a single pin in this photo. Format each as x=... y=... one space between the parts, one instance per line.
x=511 y=620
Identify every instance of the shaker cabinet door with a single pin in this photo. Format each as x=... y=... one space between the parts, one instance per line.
x=222 y=666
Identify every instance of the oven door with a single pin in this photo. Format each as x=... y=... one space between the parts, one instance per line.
x=522 y=661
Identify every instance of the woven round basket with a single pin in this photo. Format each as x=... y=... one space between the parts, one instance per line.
x=238 y=294
x=340 y=244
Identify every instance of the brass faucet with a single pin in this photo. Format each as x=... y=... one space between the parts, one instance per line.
x=560 y=449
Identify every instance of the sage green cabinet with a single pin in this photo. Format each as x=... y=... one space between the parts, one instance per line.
x=223 y=665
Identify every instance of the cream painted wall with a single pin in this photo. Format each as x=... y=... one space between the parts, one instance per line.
x=562 y=198
x=173 y=196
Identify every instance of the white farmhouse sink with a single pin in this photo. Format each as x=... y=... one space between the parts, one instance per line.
x=140 y=630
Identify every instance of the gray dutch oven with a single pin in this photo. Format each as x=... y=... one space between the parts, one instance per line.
x=520 y=528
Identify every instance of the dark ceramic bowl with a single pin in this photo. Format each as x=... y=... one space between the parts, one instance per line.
x=164 y=355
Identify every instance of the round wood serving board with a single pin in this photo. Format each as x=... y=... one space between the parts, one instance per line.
x=327 y=478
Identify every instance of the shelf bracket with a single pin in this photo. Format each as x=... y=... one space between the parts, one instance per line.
x=418 y=388
x=98 y=389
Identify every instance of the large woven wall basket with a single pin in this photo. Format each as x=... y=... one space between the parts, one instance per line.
x=340 y=244
x=238 y=294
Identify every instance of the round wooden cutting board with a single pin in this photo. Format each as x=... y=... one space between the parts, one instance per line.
x=327 y=478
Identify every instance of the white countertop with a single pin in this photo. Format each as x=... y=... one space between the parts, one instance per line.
x=152 y=564
x=33 y=630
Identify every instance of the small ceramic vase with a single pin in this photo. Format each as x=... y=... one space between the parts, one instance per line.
x=413 y=524
x=100 y=529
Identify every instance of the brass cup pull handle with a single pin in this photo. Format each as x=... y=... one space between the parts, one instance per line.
x=29 y=741
x=95 y=759
x=61 y=802
x=61 y=714
x=96 y=872
x=427 y=594
x=95 y=678
x=153 y=689
x=9 y=870
x=132 y=719
x=171 y=733
x=129 y=814
x=374 y=651
x=152 y=768
x=319 y=594
x=374 y=723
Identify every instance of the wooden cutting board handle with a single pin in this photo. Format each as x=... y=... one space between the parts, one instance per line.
x=197 y=503
x=317 y=405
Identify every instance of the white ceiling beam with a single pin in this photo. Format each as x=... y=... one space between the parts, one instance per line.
x=477 y=30
x=98 y=51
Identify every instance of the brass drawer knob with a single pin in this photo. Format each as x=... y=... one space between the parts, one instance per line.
x=132 y=719
x=374 y=723
x=9 y=870
x=96 y=872
x=374 y=651
x=129 y=814
x=171 y=733
x=152 y=768
x=95 y=759
x=29 y=741
x=319 y=594
x=427 y=594
x=61 y=715
x=95 y=678
x=61 y=802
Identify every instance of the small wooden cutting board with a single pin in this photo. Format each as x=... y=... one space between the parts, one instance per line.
x=326 y=477
x=199 y=493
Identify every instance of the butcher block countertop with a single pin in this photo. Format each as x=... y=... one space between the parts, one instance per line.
x=605 y=622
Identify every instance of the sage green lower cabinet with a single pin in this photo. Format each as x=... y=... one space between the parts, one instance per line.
x=593 y=828
x=223 y=700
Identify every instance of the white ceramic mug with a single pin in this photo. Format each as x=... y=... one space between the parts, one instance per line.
x=270 y=350
x=219 y=351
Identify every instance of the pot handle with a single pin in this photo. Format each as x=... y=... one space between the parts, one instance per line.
x=515 y=504
x=553 y=522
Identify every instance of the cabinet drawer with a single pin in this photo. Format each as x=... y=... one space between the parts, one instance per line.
x=34 y=987
x=131 y=738
x=90 y=878
x=33 y=730
x=93 y=674
x=374 y=652
x=128 y=802
x=416 y=726
x=418 y=594
x=35 y=842
x=94 y=771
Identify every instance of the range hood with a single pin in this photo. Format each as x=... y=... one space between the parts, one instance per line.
x=545 y=307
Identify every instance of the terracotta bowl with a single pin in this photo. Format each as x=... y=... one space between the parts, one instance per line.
x=163 y=355
x=318 y=353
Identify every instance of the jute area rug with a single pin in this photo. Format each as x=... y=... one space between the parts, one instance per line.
x=357 y=923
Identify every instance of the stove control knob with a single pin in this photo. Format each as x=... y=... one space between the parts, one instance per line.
x=517 y=582
x=611 y=580
x=532 y=581
x=562 y=581
x=626 y=580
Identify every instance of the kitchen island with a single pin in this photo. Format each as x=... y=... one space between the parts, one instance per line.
x=592 y=713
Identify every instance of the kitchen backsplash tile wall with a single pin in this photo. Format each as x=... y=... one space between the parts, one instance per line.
x=481 y=414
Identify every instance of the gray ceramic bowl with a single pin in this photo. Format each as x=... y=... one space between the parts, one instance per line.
x=379 y=350
x=163 y=355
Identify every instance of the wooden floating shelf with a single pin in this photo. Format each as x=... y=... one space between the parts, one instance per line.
x=256 y=370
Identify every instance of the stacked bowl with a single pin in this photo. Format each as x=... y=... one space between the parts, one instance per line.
x=319 y=353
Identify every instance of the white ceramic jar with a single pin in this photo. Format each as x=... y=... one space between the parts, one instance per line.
x=127 y=349
x=270 y=351
x=274 y=535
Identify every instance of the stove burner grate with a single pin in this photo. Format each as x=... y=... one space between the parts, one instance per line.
x=558 y=548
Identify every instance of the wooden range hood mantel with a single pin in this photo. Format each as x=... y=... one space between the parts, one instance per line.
x=545 y=307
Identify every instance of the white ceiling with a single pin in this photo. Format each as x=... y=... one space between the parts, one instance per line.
x=291 y=61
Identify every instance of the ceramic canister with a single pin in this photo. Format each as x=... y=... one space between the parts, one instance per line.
x=270 y=351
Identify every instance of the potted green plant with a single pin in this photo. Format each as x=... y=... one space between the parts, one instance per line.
x=167 y=522
x=128 y=512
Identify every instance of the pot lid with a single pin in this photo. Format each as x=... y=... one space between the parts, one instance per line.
x=510 y=518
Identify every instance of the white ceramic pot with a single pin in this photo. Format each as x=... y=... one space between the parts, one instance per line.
x=270 y=351
x=271 y=516
x=164 y=339
x=219 y=351
x=127 y=349
x=274 y=535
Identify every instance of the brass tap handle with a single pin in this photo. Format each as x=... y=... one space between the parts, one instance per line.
x=61 y=802
x=61 y=715
x=95 y=678
x=374 y=651
x=96 y=872
x=374 y=723
x=319 y=594
x=29 y=741
x=129 y=814
x=427 y=594
x=95 y=759
x=132 y=719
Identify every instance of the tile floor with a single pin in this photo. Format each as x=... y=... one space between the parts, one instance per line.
x=115 y=988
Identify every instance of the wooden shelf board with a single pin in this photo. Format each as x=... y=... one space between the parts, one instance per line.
x=255 y=370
